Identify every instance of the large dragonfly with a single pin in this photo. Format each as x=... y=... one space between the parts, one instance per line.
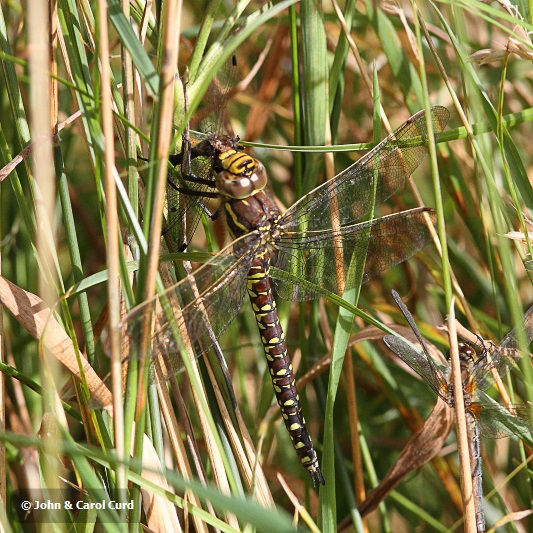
x=483 y=415
x=300 y=253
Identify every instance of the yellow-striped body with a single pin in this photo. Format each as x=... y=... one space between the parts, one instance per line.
x=279 y=365
x=253 y=208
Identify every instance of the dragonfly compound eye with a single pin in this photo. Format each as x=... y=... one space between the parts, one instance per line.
x=466 y=353
x=241 y=187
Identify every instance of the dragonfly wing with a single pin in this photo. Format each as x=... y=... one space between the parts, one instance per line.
x=185 y=210
x=312 y=259
x=212 y=116
x=198 y=309
x=419 y=362
x=506 y=354
x=495 y=421
x=354 y=192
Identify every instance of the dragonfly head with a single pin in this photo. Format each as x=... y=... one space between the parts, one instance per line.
x=467 y=354
x=241 y=185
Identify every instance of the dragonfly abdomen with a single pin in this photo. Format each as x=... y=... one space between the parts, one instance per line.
x=474 y=449
x=279 y=365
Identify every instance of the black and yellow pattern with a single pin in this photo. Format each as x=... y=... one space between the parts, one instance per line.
x=260 y=212
x=300 y=253
x=237 y=162
x=279 y=365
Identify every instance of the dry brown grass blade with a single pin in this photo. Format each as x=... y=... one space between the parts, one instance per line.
x=180 y=453
x=244 y=451
x=30 y=149
x=511 y=518
x=34 y=316
x=160 y=513
x=463 y=436
x=351 y=399
x=420 y=449
x=299 y=509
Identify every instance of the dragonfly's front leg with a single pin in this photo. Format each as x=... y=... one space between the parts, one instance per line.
x=183 y=160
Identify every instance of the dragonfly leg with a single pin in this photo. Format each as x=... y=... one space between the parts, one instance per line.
x=211 y=215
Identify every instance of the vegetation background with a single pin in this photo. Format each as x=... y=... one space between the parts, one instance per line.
x=307 y=74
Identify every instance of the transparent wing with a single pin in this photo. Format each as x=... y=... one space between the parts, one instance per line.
x=184 y=210
x=212 y=117
x=495 y=421
x=420 y=363
x=503 y=356
x=198 y=309
x=327 y=256
x=350 y=195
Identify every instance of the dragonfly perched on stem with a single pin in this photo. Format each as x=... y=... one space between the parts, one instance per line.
x=297 y=254
x=483 y=415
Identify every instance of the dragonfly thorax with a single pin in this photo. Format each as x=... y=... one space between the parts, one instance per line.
x=467 y=358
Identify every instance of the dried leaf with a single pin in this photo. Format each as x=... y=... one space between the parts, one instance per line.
x=34 y=316
x=421 y=448
x=511 y=517
x=519 y=236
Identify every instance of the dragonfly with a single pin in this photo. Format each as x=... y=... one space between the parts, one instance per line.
x=483 y=415
x=298 y=254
